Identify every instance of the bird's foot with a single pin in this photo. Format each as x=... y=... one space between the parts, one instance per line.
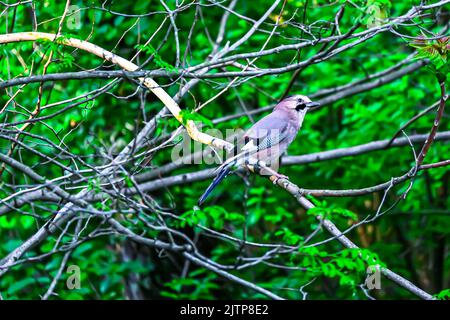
x=279 y=176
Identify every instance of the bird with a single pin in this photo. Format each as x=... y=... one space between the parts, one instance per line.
x=268 y=138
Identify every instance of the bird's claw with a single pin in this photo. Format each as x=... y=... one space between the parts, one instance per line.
x=279 y=176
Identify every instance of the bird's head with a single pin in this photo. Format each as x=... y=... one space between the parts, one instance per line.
x=298 y=103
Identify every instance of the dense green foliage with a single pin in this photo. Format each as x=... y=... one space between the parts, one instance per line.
x=411 y=237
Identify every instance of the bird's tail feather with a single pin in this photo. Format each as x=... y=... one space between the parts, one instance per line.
x=222 y=174
x=236 y=160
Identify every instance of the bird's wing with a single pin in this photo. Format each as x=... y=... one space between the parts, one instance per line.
x=267 y=132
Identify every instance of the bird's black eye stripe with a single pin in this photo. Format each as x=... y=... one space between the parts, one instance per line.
x=300 y=106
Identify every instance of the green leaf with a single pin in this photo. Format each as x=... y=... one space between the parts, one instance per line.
x=443 y=295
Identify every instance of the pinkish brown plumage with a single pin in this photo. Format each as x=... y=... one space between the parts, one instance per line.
x=268 y=138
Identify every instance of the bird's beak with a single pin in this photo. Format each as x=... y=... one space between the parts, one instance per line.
x=312 y=104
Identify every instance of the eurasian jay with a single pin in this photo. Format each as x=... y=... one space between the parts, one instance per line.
x=268 y=138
